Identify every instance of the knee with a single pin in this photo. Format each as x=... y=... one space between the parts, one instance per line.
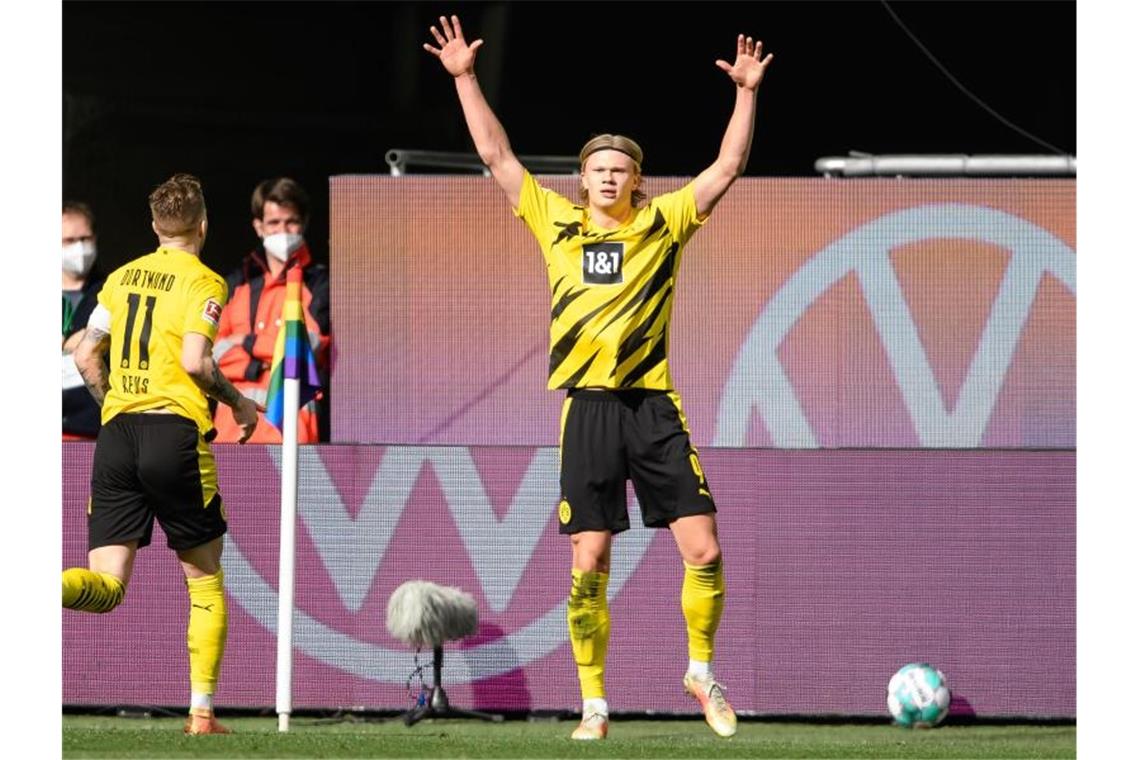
x=591 y=564
x=591 y=555
x=708 y=553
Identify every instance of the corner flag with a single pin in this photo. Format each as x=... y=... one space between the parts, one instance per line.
x=292 y=356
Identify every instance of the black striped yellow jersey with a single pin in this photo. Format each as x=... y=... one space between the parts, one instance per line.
x=154 y=301
x=611 y=290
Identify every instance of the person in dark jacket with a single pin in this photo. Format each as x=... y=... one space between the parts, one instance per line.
x=81 y=284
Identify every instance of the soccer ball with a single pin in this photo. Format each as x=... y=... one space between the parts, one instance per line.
x=918 y=696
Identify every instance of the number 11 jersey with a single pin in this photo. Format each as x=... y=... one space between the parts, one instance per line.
x=154 y=301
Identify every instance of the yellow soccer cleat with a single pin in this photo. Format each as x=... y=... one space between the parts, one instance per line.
x=593 y=727
x=718 y=712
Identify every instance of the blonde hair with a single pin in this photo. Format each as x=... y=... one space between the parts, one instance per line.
x=177 y=206
x=620 y=143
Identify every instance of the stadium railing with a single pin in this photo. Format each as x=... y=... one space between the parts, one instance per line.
x=942 y=165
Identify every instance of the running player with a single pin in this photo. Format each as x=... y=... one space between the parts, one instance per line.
x=612 y=266
x=157 y=315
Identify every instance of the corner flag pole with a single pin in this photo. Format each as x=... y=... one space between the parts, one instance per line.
x=287 y=551
x=293 y=363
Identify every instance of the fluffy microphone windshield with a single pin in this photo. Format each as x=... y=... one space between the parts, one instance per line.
x=424 y=614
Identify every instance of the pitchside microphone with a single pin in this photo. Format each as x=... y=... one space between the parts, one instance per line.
x=422 y=614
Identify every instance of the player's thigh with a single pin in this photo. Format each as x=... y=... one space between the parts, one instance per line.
x=118 y=512
x=663 y=464
x=180 y=478
x=592 y=465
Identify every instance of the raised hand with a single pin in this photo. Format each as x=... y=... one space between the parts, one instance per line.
x=748 y=69
x=453 y=52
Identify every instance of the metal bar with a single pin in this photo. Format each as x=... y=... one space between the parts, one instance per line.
x=942 y=165
x=399 y=160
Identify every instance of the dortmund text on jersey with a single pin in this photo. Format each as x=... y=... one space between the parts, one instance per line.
x=611 y=290
x=154 y=301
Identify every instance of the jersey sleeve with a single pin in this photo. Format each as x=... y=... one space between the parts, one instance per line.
x=207 y=296
x=100 y=318
x=107 y=292
x=539 y=206
x=680 y=211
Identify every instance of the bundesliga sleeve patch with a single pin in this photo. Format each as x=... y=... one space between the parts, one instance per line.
x=212 y=312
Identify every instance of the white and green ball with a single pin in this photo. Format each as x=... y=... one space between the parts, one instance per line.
x=918 y=696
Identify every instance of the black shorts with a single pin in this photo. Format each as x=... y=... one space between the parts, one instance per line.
x=148 y=466
x=639 y=435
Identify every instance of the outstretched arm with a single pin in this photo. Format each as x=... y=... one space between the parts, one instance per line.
x=458 y=58
x=746 y=72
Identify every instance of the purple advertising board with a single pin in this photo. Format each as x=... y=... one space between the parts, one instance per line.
x=841 y=566
x=809 y=313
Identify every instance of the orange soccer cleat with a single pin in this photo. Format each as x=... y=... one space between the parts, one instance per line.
x=718 y=712
x=594 y=726
x=198 y=724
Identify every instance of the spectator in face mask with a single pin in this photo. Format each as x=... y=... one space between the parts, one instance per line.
x=247 y=331
x=81 y=284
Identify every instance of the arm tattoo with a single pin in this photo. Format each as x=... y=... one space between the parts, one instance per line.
x=95 y=375
x=221 y=388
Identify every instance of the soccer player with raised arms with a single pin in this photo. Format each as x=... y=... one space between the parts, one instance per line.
x=612 y=265
x=157 y=316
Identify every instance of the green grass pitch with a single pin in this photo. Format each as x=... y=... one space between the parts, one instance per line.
x=92 y=736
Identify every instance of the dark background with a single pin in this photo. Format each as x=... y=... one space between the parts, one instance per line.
x=236 y=92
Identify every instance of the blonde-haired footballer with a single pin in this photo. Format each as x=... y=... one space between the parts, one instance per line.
x=612 y=267
x=157 y=317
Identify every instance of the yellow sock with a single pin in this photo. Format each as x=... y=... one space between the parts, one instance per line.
x=90 y=591
x=589 y=619
x=206 y=633
x=702 y=601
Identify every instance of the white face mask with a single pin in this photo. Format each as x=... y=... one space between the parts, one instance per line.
x=78 y=257
x=280 y=244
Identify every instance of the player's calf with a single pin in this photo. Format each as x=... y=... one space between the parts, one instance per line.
x=90 y=591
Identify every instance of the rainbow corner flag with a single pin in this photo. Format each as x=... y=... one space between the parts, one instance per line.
x=292 y=356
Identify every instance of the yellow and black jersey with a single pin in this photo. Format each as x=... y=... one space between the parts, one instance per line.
x=611 y=290
x=154 y=301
